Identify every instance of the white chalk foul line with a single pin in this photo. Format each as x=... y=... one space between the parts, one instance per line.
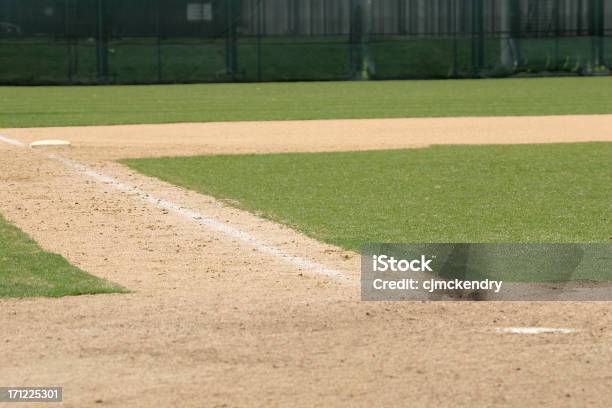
x=534 y=330
x=203 y=220
x=11 y=141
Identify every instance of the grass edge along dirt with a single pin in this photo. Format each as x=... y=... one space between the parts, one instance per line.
x=28 y=271
x=115 y=105
x=489 y=193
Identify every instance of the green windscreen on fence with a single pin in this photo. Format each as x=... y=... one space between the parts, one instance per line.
x=166 y=41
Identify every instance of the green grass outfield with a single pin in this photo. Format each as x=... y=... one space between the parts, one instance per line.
x=26 y=270
x=106 y=105
x=502 y=193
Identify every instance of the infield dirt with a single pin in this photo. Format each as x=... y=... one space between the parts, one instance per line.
x=215 y=322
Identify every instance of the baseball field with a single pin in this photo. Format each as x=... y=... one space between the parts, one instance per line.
x=198 y=245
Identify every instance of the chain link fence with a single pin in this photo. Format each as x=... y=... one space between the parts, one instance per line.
x=168 y=41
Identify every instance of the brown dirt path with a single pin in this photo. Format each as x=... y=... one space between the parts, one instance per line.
x=115 y=142
x=215 y=322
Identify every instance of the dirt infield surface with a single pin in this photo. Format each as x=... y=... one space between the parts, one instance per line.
x=217 y=319
x=118 y=142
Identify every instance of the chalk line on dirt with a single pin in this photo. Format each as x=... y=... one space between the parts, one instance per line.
x=534 y=330
x=11 y=141
x=206 y=221
x=193 y=215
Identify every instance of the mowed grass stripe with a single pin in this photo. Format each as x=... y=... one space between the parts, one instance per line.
x=28 y=271
x=520 y=193
x=109 y=105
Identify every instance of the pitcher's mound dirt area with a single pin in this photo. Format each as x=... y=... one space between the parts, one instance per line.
x=213 y=321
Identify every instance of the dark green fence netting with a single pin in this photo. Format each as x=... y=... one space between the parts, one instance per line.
x=164 y=41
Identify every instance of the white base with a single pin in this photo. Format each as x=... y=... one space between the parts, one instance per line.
x=50 y=143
